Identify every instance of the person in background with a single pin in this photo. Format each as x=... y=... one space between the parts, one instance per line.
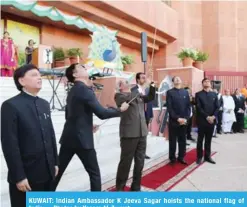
x=148 y=110
x=133 y=133
x=228 y=112
x=190 y=121
x=239 y=100
x=217 y=121
x=77 y=135
x=29 y=51
x=28 y=138
x=179 y=109
x=244 y=91
x=8 y=63
x=220 y=113
x=141 y=87
x=16 y=55
x=207 y=107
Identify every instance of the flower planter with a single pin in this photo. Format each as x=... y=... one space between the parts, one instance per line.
x=127 y=68
x=187 y=62
x=198 y=64
x=59 y=63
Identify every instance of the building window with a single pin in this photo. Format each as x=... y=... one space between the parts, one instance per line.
x=169 y=3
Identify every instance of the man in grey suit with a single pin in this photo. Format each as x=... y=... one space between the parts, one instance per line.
x=133 y=134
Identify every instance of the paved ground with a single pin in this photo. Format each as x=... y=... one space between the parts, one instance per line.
x=230 y=171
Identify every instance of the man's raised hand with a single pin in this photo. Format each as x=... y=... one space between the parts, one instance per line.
x=124 y=107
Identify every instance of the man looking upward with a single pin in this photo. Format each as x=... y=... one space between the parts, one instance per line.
x=207 y=107
x=77 y=136
x=179 y=109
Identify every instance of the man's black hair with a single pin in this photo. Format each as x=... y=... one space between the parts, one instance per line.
x=138 y=76
x=70 y=71
x=20 y=73
x=173 y=79
x=205 y=79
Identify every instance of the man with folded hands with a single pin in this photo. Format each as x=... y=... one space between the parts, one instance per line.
x=179 y=109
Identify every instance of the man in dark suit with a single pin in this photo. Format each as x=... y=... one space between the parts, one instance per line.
x=133 y=134
x=239 y=110
x=179 y=109
x=77 y=136
x=220 y=113
x=140 y=87
x=207 y=107
x=28 y=138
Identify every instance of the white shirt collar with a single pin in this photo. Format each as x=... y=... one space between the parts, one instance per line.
x=141 y=89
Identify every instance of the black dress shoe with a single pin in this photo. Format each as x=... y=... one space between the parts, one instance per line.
x=191 y=139
x=219 y=132
x=182 y=161
x=172 y=162
x=147 y=157
x=210 y=160
x=199 y=161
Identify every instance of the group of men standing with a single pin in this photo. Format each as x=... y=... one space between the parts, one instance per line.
x=231 y=113
x=29 y=143
x=180 y=108
x=28 y=137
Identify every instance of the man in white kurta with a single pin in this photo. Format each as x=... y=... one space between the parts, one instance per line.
x=228 y=112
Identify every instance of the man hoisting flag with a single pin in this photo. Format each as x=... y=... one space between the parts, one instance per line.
x=77 y=136
x=133 y=134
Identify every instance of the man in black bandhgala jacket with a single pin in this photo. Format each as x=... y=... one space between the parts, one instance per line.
x=77 y=136
x=207 y=108
x=28 y=138
x=179 y=109
x=239 y=110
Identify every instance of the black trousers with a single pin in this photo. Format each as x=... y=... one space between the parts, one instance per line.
x=189 y=127
x=219 y=121
x=89 y=160
x=177 y=134
x=147 y=121
x=238 y=126
x=204 y=131
x=18 y=198
x=131 y=148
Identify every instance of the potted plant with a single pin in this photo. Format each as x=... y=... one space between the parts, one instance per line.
x=58 y=56
x=74 y=55
x=187 y=56
x=201 y=57
x=127 y=60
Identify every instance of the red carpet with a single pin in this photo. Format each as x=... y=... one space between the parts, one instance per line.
x=165 y=173
x=166 y=177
